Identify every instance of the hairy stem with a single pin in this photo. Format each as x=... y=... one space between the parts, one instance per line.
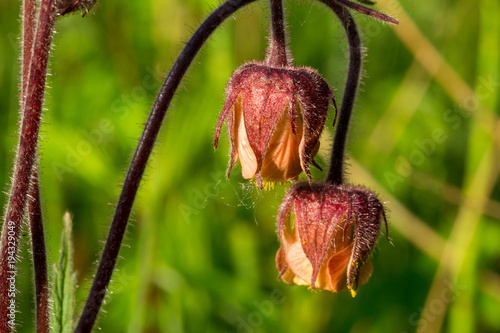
x=141 y=156
x=39 y=255
x=25 y=159
x=34 y=204
x=28 y=38
x=336 y=172
x=277 y=52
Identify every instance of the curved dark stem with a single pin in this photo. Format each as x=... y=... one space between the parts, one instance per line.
x=141 y=156
x=39 y=255
x=277 y=53
x=336 y=173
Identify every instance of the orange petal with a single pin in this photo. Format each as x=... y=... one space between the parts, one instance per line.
x=285 y=273
x=298 y=281
x=298 y=262
x=281 y=265
x=337 y=269
x=286 y=234
x=282 y=159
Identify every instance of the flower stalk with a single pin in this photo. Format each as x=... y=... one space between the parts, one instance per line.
x=141 y=157
x=277 y=52
x=336 y=171
x=28 y=38
x=31 y=111
x=39 y=255
x=34 y=204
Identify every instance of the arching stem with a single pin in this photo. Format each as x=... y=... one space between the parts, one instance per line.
x=336 y=172
x=141 y=157
x=337 y=163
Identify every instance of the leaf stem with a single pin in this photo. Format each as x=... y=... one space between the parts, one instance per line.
x=140 y=159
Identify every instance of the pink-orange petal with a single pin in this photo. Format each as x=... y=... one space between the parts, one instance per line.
x=298 y=262
x=282 y=159
x=337 y=269
x=284 y=272
x=244 y=151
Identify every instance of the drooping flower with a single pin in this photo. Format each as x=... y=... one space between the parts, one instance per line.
x=274 y=117
x=334 y=230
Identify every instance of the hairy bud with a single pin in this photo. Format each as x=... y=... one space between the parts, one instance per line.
x=334 y=230
x=274 y=117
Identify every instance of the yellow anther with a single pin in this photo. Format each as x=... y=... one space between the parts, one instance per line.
x=353 y=292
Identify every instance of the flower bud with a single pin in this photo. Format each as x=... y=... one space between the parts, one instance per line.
x=274 y=117
x=334 y=230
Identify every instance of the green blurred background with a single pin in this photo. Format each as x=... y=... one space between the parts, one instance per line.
x=199 y=252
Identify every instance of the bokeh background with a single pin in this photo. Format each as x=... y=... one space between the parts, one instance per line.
x=199 y=251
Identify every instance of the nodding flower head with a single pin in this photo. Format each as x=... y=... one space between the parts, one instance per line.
x=334 y=230
x=274 y=117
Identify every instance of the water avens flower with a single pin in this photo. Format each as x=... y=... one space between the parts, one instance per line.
x=334 y=230
x=274 y=116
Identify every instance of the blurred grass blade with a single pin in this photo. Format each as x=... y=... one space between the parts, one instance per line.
x=366 y=2
x=64 y=283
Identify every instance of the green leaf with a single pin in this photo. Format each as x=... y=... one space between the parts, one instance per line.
x=63 y=293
